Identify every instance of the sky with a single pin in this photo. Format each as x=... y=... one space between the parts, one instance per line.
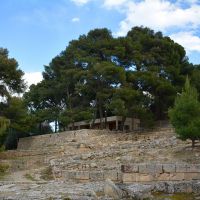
x=35 y=31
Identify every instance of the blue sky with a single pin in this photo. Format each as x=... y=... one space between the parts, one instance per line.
x=35 y=31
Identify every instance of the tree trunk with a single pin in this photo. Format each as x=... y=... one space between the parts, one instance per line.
x=123 y=122
x=101 y=116
x=105 y=120
x=56 y=125
x=40 y=127
x=193 y=143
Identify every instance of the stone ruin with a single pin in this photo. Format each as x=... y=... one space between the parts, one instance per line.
x=100 y=164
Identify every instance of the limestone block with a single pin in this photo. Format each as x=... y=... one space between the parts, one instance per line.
x=96 y=176
x=129 y=168
x=144 y=178
x=191 y=176
x=163 y=177
x=176 y=176
x=111 y=174
x=82 y=175
x=182 y=167
x=68 y=174
x=142 y=168
x=129 y=178
x=169 y=168
x=193 y=168
x=150 y=168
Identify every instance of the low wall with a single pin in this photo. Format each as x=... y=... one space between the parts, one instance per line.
x=135 y=173
x=160 y=172
x=55 y=139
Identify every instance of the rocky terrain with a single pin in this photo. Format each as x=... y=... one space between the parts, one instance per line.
x=99 y=164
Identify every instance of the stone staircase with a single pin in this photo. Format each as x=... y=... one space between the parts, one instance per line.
x=88 y=158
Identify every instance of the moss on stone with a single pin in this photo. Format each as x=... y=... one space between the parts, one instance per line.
x=176 y=196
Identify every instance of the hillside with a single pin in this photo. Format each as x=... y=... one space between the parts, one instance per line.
x=99 y=164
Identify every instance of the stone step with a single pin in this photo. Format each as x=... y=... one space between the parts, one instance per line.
x=89 y=176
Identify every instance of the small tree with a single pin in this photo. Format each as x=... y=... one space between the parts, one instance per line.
x=185 y=115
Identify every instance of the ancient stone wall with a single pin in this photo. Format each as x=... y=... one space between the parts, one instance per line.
x=160 y=172
x=56 y=139
x=134 y=173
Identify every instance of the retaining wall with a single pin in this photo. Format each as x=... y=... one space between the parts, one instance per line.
x=135 y=173
x=160 y=172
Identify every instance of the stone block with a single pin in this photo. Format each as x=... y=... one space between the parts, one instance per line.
x=194 y=168
x=150 y=168
x=111 y=174
x=142 y=168
x=69 y=175
x=129 y=178
x=182 y=167
x=96 y=176
x=82 y=175
x=163 y=177
x=171 y=168
x=176 y=176
x=130 y=168
x=145 y=178
x=191 y=176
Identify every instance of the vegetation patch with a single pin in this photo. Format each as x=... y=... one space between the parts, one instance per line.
x=3 y=170
x=29 y=177
x=176 y=196
x=47 y=174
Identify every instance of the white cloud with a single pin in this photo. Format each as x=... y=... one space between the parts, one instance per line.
x=75 y=19
x=114 y=3
x=80 y=2
x=187 y=39
x=159 y=15
x=32 y=78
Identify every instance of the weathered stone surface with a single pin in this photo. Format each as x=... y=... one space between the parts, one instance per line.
x=130 y=168
x=154 y=168
x=91 y=156
x=176 y=176
x=111 y=190
x=97 y=176
x=144 y=178
x=171 y=168
x=138 y=191
x=182 y=167
x=112 y=175
x=191 y=176
x=82 y=175
x=163 y=177
x=129 y=178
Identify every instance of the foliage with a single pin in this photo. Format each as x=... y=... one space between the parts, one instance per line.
x=97 y=76
x=185 y=115
x=158 y=67
x=10 y=76
x=4 y=123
